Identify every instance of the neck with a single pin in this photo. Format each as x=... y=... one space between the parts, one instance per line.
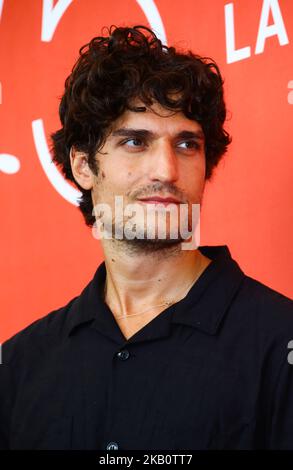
x=137 y=280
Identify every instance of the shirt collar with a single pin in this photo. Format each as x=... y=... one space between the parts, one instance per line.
x=203 y=308
x=211 y=296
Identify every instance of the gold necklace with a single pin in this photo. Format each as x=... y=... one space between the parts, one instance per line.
x=166 y=303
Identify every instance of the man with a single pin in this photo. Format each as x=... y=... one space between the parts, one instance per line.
x=167 y=347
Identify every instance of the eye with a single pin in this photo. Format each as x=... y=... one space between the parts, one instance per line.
x=190 y=144
x=134 y=142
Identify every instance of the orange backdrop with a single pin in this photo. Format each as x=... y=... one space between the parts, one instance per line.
x=47 y=253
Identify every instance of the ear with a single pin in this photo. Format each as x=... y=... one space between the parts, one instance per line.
x=80 y=169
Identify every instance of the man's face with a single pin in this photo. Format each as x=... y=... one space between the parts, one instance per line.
x=151 y=156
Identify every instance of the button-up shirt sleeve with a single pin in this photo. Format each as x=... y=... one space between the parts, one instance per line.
x=281 y=432
x=4 y=407
x=6 y=394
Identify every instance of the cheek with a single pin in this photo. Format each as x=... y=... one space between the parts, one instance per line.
x=194 y=183
x=195 y=171
x=199 y=171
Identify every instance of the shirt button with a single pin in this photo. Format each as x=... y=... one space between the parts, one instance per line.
x=123 y=354
x=112 y=446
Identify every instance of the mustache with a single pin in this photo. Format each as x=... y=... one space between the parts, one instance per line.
x=158 y=189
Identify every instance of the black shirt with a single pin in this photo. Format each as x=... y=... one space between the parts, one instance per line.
x=213 y=371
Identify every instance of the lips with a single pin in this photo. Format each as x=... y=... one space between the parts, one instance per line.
x=160 y=200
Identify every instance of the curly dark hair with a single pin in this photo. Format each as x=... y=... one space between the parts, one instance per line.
x=133 y=63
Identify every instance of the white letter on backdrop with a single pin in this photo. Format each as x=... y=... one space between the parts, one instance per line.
x=51 y=17
x=232 y=54
x=275 y=29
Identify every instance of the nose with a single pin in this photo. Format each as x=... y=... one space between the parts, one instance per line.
x=163 y=164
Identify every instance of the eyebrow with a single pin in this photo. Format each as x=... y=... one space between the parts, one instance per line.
x=146 y=134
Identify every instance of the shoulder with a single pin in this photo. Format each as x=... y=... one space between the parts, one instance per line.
x=262 y=316
x=35 y=336
x=262 y=299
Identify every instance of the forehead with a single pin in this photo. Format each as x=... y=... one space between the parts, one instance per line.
x=156 y=118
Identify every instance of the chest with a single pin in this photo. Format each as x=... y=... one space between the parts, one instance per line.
x=153 y=397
